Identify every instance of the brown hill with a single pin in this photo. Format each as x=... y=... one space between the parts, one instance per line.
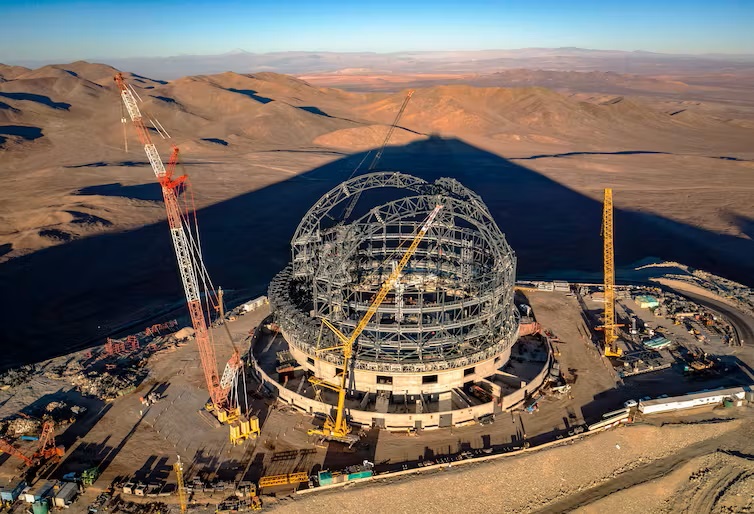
x=69 y=115
x=8 y=72
x=67 y=178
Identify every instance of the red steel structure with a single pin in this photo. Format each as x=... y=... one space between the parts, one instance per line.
x=188 y=254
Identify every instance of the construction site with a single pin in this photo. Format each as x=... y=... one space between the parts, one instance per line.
x=397 y=340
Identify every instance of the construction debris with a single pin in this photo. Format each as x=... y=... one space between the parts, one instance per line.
x=106 y=385
x=21 y=426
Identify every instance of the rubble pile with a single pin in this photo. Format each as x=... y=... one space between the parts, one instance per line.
x=68 y=369
x=106 y=385
x=22 y=426
x=53 y=406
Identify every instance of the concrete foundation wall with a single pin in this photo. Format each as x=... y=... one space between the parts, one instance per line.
x=404 y=383
x=394 y=421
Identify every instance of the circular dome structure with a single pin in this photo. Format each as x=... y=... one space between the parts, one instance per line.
x=450 y=317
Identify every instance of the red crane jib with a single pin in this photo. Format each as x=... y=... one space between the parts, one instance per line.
x=185 y=255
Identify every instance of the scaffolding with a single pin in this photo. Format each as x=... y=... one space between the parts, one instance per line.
x=453 y=304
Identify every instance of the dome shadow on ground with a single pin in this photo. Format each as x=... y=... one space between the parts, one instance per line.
x=68 y=297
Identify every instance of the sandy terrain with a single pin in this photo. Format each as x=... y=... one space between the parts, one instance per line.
x=561 y=478
x=82 y=232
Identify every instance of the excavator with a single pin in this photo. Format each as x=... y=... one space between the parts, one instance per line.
x=337 y=429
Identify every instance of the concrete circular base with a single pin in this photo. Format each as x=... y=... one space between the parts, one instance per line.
x=371 y=407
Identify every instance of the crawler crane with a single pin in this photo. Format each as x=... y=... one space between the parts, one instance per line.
x=47 y=451
x=337 y=429
x=191 y=266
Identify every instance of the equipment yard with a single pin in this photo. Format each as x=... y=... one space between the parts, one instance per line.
x=131 y=443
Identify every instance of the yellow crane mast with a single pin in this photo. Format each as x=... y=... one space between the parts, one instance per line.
x=337 y=429
x=178 y=468
x=611 y=337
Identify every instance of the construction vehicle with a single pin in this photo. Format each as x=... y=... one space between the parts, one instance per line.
x=181 y=218
x=698 y=361
x=89 y=476
x=337 y=429
x=609 y=326
x=46 y=454
x=47 y=450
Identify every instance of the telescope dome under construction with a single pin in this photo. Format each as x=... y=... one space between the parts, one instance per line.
x=447 y=315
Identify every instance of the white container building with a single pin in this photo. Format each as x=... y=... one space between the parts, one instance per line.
x=691 y=400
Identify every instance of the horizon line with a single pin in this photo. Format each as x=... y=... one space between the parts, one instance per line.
x=241 y=51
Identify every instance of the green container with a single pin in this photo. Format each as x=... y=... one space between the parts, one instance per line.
x=325 y=478
x=40 y=507
x=359 y=474
x=727 y=403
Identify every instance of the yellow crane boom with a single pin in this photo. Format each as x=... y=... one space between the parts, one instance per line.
x=338 y=428
x=178 y=468
x=611 y=348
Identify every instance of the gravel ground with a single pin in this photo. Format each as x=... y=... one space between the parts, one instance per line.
x=520 y=484
x=717 y=482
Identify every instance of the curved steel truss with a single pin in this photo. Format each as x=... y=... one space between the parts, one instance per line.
x=453 y=304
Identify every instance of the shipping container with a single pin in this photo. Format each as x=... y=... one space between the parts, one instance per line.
x=13 y=490
x=40 y=507
x=359 y=474
x=39 y=491
x=66 y=494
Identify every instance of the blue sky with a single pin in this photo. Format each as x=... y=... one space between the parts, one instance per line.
x=65 y=30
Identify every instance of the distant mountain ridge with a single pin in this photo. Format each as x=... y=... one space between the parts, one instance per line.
x=477 y=61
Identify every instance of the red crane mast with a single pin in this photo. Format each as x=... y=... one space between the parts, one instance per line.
x=190 y=263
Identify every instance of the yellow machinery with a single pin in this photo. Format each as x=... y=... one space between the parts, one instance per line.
x=178 y=468
x=243 y=428
x=337 y=429
x=611 y=338
x=276 y=480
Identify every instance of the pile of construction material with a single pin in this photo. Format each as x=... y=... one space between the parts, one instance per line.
x=61 y=412
x=65 y=370
x=106 y=385
x=21 y=426
x=657 y=342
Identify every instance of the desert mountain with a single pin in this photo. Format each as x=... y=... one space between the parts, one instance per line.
x=68 y=180
x=69 y=116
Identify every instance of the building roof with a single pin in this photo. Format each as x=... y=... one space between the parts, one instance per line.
x=694 y=396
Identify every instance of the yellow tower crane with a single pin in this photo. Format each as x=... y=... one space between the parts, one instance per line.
x=611 y=337
x=178 y=468
x=337 y=429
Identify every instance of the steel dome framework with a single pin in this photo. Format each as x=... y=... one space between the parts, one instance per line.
x=453 y=305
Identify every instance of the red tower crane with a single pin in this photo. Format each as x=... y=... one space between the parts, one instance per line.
x=190 y=262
